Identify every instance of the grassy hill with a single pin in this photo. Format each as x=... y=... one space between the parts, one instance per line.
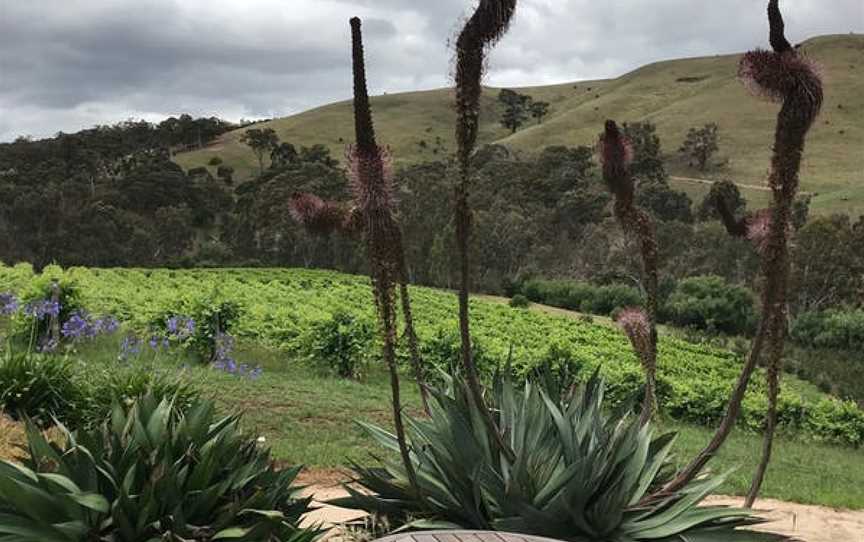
x=676 y=95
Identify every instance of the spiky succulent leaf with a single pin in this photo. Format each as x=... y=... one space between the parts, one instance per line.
x=150 y=470
x=580 y=473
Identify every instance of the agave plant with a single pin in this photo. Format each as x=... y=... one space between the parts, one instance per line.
x=580 y=473
x=151 y=472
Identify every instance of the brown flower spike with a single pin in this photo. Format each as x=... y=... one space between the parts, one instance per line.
x=616 y=154
x=485 y=27
x=786 y=76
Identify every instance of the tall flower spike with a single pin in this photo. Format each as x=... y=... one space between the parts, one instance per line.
x=786 y=76
x=636 y=325
x=486 y=26
x=777 y=30
x=382 y=235
x=616 y=154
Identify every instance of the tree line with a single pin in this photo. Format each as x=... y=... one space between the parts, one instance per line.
x=111 y=196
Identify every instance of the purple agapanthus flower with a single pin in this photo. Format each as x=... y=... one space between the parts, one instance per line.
x=42 y=308
x=223 y=359
x=106 y=325
x=77 y=327
x=180 y=327
x=131 y=346
x=8 y=304
x=81 y=326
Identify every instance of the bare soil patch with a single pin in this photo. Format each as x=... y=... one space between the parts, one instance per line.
x=804 y=522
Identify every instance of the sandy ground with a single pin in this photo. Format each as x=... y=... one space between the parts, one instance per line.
x=804 y=522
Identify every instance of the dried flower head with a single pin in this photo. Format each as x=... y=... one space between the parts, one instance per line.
x=316 y=215
x=758 y=228
x=370 y=177
x=784 y=75
x=615 y=152
x=636 y=325
x=777 y=75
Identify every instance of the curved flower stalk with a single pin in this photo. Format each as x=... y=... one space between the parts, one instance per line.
x=616 y=154
x=482 y=30
x=781 y=75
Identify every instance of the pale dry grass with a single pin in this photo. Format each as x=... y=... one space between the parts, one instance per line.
x=12 y=437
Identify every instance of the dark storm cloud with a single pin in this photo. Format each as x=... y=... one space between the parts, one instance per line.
x=67 y=64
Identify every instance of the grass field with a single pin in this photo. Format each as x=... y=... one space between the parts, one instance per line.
x=676 y=95
x=308 y=417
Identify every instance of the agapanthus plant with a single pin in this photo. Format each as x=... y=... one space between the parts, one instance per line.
x=224 y=359
x=81 y=326
x=8 y=304
x=42 y=308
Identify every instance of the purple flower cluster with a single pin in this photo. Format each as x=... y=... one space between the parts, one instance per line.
x=42 y=308
x=156 y=342
x=223 y=359
x=47 y=345
x=8 y=304
x=180 y=327
x=131 y=346
x=81 y=326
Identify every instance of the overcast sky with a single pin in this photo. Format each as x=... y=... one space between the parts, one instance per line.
x=70 y=64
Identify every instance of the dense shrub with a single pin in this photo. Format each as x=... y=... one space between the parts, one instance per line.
x=101 y=389
x=152 y=472
x=44 y=388
x=341 y=343
x=442 y=353
x=519 y=301
x=198 y=323
x=838 y=372
x=830 y=329
x=40 y=387
x=581 y=296
x=710 y=304
x=30 y=327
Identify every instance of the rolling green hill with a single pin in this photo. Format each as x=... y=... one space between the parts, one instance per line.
x=675 y=95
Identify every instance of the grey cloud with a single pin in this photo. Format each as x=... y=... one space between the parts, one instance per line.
x=65 y=65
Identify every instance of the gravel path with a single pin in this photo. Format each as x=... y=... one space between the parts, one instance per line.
x=806 y=523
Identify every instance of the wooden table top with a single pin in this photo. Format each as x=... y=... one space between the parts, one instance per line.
x=463 y=536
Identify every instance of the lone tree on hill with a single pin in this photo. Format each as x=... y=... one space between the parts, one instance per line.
x=260 y=141
x=516 y=109
x=282 y=155
x=539 y=110
x=701 y=144
x=723 y=194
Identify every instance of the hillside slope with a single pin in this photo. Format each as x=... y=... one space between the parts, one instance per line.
x=676 y=95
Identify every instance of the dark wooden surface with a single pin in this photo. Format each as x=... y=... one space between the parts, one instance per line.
x=462 y=536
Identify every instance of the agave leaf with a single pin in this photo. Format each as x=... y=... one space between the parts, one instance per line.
x=660 y=451
x=15 y=527
x=91 y=501
x=689 y=499
x=68 y=485
x=233 y=533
